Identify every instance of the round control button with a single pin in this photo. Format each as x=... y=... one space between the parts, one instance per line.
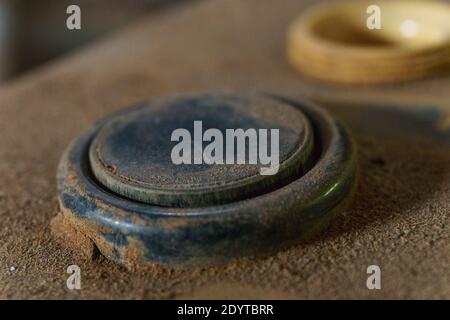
x=222 y=150
x=122 y=186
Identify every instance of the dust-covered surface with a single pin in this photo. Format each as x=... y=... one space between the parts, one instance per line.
x=399 y=220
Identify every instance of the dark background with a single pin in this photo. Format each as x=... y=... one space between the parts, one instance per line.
x=34 y=32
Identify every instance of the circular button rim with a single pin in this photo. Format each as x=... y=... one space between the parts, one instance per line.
x=295 y=165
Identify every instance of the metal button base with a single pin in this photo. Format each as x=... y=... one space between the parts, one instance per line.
x=135 y=233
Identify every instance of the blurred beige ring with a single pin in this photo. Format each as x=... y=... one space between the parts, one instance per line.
x=332 y=41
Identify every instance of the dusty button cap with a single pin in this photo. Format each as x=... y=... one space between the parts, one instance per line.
x=131 y=154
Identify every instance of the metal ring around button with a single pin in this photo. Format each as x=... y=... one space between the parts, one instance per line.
x=135 y=233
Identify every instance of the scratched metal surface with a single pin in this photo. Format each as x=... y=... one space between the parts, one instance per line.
x=399 y=219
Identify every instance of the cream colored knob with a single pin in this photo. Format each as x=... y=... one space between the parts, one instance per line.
x=333 y=42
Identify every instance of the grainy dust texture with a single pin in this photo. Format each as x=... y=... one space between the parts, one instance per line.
x=399 y=220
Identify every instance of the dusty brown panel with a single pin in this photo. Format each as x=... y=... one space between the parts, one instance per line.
x=399 y=220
